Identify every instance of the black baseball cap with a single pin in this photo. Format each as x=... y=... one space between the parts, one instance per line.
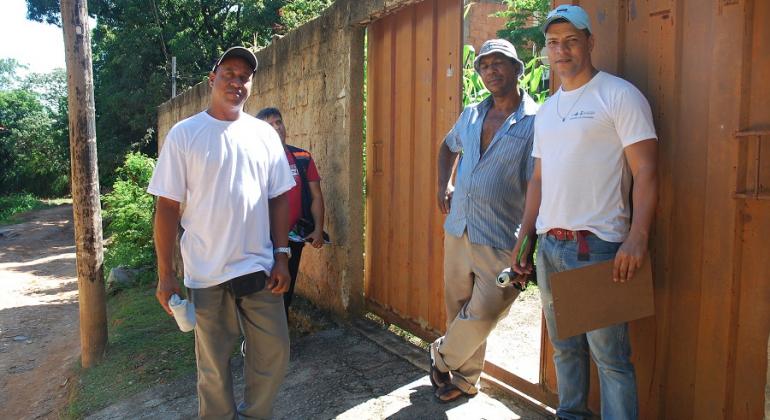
x=241 y=52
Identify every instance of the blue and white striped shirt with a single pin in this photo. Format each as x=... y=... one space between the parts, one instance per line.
x=489 y=190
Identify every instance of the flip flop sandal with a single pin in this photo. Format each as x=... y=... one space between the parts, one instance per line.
x=451 y=393
x=438 y=378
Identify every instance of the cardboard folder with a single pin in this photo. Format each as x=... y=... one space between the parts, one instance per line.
x=586 y=298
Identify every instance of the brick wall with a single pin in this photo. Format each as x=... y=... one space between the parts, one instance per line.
x=479 y=26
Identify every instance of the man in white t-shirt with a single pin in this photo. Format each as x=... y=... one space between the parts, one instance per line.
x=595 y=146
x=230 y=171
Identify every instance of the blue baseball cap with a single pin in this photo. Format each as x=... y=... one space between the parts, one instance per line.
x=572 y=14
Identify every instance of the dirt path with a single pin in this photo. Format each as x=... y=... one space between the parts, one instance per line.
x=39 y=341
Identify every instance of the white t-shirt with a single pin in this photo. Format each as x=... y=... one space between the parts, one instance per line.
x=224 y=172
x=585 y=177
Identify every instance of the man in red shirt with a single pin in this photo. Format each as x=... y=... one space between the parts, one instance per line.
x=306 y=203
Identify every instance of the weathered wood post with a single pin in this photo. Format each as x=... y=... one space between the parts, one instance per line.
x=85 y=181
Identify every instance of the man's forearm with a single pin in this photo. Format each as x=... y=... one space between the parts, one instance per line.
x=532 y=200
x=645 y=198
x=317 y=208
x=531 y=206
x=446 y=159
x=166 y=228
x=279 y=220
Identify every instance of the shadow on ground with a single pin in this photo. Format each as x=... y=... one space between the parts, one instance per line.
x=337 y=372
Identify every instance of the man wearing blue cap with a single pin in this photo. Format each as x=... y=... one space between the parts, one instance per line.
x=595 y=145
x=484 y=210
x=231 y=172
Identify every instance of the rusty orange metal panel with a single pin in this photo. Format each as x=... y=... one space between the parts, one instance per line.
x=446 y=109
x=703 y=68
x=650 y=337
x=423 y=127
x=608 y=23
x=686 y=236
x=749 y=342
x=716 y=334
x=379 y=136
x=699 y=64
x=403 y=159
x=404 y=229
x=752 y=326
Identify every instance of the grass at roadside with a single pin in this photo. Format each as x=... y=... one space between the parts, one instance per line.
x=15 y=204
x=145 y=348
x=395 y=329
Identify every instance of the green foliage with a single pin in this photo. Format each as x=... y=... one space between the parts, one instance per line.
x=11 y=205
x=129 y=209
x=296 y=13
x=532 y=80
x=133 y=43
x=524 y=19
x=9 y=77
x=473 y=88
x=34 y=144
x=475 y=92
x=145 y=348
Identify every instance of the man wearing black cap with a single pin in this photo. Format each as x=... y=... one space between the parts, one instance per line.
x=230 y=171
x=595 y=144
x=484 y=210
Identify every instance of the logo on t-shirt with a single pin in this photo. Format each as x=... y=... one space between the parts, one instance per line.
x=582 y=115
x=294 y=170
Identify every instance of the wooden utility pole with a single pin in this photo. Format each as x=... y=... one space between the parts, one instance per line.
x=85 y=181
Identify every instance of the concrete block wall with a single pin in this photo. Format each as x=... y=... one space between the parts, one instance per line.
x=314 y=75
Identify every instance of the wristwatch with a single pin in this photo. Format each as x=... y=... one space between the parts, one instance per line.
x=282 y=250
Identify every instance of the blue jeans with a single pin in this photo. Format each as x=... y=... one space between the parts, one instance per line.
x=609 y=347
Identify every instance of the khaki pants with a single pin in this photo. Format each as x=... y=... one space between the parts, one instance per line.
x=474 y=304
x=262 y=318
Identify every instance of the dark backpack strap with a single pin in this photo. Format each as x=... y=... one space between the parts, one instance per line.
x=302 y=163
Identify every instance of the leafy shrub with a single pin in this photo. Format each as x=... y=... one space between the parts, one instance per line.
x=523 y=27
x=473 y=88
x=13 y=204
x=129 y=209
x=34 y=145
x=296 y=13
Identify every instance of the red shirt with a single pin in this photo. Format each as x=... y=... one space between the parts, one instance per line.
x=295 y=194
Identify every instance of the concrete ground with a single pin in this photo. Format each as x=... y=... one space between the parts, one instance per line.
x=358 y=371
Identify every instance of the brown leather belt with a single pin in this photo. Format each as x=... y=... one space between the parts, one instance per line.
x=570 y=235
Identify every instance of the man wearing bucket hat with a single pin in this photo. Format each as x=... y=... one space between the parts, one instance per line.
x=231 y=172
x=484 y=210
x=595 y=145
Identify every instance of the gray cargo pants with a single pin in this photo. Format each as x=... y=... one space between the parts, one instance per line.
x=218 y=315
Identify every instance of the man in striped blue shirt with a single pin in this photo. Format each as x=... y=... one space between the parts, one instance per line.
x=484 y=211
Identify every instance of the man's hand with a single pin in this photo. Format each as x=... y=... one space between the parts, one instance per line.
x=642 y=159
x=279 y=278
x=524 y=247
x=445 y=199
x=316 y=238
x=447 y=161
x=629 y=257
x=167 y=287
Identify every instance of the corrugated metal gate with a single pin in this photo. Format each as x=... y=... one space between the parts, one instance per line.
x=703 y=66
x=413 y=100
